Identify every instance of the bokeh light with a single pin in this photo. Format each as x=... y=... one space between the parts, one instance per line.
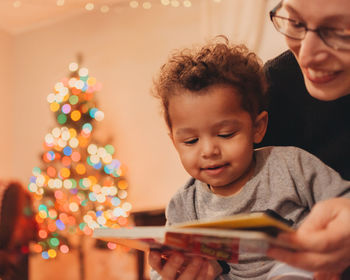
x=80 y=187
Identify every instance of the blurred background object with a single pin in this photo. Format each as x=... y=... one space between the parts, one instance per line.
x=17 y=229
x=80 y=185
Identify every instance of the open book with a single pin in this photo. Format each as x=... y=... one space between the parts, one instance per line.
x=222 y=238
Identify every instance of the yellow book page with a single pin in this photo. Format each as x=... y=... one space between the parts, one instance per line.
x=240 y=221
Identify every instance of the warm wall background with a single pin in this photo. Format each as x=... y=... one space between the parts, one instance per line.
x=122 y=49
x=6 y=105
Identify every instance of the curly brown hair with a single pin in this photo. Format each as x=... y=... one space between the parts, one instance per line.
x=217 y=62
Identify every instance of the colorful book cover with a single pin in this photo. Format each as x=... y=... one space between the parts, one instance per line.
x=222 y=238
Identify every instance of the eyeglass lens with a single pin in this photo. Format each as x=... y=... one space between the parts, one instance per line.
x=335 y=38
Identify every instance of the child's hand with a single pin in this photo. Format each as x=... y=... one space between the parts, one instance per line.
x=324 y=237
x=177 y=266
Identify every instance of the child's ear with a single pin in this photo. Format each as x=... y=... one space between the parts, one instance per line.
x=260 y=125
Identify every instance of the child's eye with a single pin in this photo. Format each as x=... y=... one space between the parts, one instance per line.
x=226 y=135
x=191 y=142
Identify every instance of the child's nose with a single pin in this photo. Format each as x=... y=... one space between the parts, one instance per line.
x=209 y=149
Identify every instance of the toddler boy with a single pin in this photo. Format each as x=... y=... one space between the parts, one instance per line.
x=214 y=103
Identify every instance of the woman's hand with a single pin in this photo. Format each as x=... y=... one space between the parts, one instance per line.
x=324 y=239
x=177 y=266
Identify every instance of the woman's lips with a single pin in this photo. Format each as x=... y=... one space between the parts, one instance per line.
x=320 y=76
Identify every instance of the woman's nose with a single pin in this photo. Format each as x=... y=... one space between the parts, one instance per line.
x=312 y=50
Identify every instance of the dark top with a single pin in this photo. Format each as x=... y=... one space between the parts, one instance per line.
x=297 y=119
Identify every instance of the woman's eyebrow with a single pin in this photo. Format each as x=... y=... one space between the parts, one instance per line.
x=334 y=18
x=290 y=9
x=341 y=19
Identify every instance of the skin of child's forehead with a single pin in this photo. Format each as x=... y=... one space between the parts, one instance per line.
x=236 y=92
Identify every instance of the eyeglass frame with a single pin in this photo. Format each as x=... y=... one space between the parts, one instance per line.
x=318 y=30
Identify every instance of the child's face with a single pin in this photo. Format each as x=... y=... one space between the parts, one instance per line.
x=214 y=137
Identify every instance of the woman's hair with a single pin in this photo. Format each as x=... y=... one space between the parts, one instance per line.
x=216 y=63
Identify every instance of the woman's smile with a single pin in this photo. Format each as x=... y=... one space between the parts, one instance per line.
x=320 y=76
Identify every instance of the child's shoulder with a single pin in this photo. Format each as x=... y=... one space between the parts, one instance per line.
x=280 y=151
x=289 y=156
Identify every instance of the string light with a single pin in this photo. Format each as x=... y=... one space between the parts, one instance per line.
x=73 y=66
x=134 y=4
x=147 y=5
x=60 y=3
x=104 y=9
x=165 y=2
x=89 y=6
x=175 y=3
x=17 y=4
x=187 y=3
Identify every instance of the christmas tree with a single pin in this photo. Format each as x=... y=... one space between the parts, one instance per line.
x=80 y=185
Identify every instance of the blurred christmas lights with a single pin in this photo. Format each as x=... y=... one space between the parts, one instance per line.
x=81 y=186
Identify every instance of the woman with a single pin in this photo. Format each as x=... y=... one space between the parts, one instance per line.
x=310 y=108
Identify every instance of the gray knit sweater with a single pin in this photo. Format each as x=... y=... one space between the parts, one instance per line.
x=287 y=180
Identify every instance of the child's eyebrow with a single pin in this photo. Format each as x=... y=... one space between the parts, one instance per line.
x=218 y=125
x=184 y=130
x=227 y=123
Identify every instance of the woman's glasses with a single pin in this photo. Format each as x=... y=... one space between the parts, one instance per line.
x=338 y=39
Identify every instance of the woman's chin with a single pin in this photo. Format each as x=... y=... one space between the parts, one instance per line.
x=325 y=93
